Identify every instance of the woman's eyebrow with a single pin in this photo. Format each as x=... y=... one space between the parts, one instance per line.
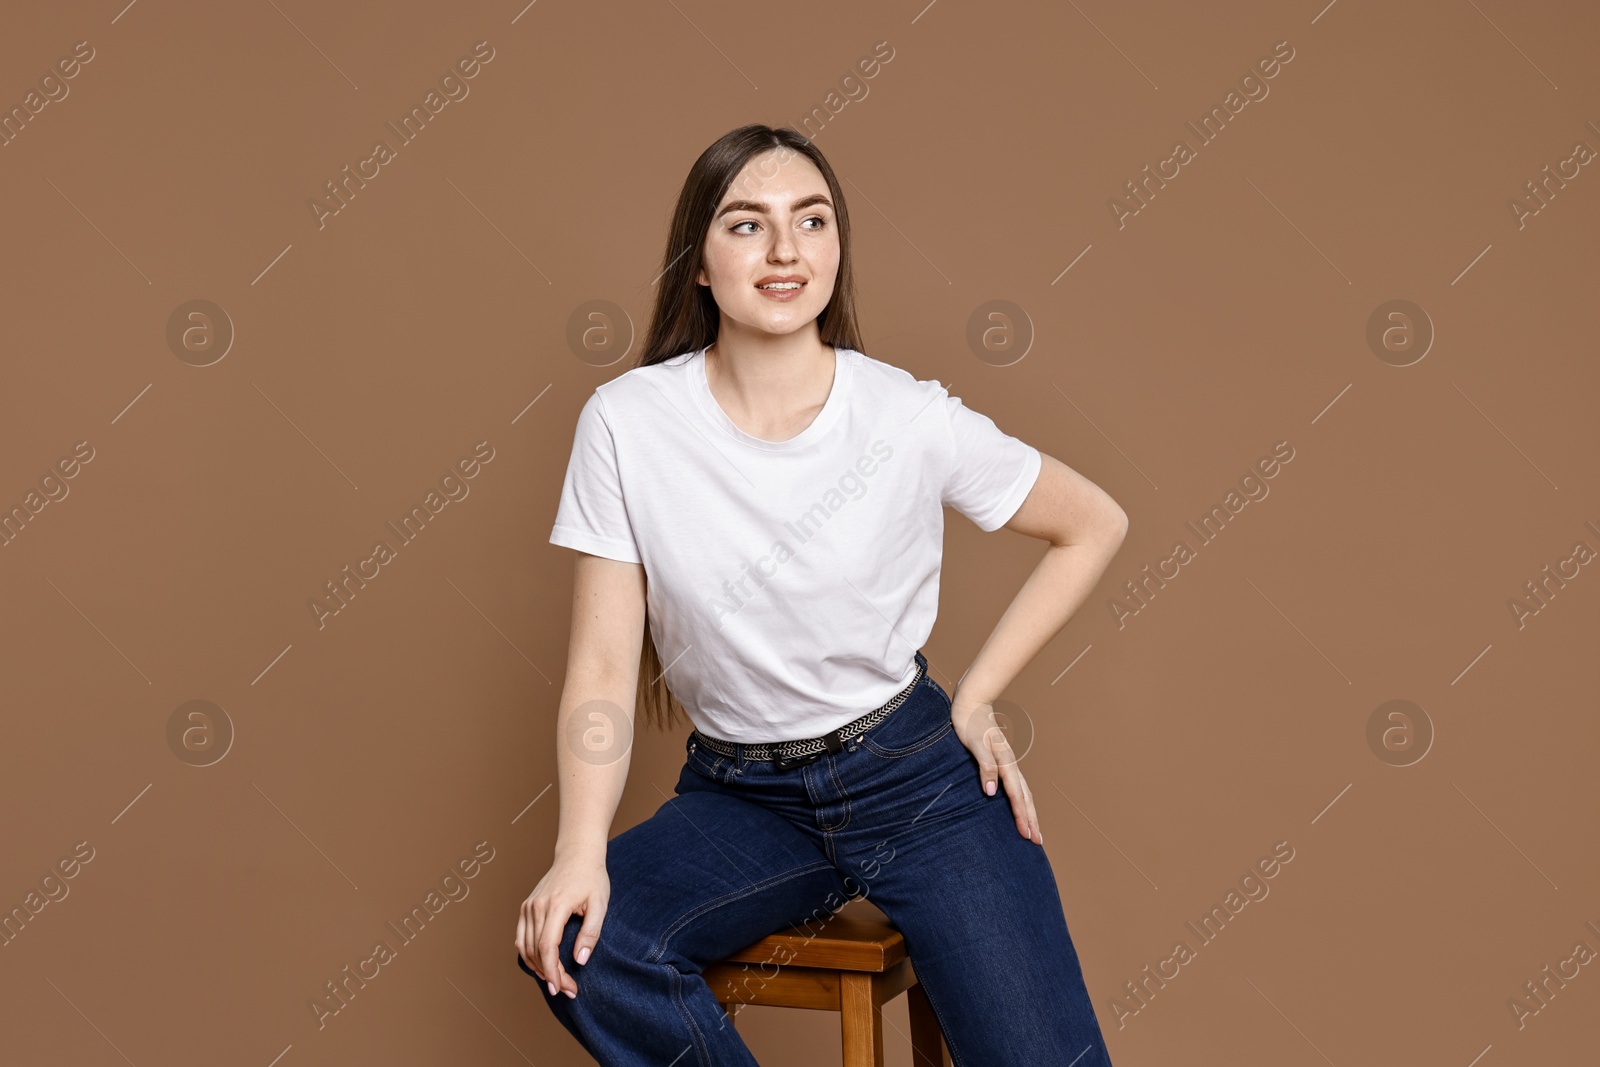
x=757 y=206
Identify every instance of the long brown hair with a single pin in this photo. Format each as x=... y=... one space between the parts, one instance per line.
x=685 y=317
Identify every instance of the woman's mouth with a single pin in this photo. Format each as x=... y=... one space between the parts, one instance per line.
x=781 y=290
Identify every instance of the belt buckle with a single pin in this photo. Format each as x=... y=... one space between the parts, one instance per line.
x=831 y=742
x=784 y=764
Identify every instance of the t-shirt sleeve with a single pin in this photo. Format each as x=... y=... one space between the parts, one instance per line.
x=592 y=516
x=992 y=472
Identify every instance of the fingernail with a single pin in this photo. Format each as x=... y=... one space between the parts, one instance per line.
x=988 y=787
x=552 y=986
x=570 y=994
x=583 y=954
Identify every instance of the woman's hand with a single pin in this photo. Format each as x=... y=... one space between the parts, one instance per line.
x=975 y=725
x=574 y=885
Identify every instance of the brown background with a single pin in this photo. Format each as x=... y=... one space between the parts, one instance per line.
x=433 y=312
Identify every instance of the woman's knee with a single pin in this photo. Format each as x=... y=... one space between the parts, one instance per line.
x=613 y=947
x=607 y=981
x=564 y=953
x=618 y=957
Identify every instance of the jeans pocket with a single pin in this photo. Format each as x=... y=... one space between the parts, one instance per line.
x=921 y=721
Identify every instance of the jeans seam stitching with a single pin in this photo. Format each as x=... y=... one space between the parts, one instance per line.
x=675 y=980
x=899 y=753
x=833 y=772
x=955 y=1056
x=729 y=898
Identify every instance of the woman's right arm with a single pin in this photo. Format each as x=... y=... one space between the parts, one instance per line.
x=598 y=703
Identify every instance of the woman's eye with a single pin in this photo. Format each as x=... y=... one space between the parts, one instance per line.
x=820 y=221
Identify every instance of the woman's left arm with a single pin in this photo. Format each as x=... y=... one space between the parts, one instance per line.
x=1085 y=528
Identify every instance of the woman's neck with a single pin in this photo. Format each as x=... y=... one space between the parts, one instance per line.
x=773 y=392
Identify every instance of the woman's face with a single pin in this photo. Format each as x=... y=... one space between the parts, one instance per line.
x=775 y=222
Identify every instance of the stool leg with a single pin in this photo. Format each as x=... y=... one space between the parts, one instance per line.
x=927 y=1043
x=861 y=1020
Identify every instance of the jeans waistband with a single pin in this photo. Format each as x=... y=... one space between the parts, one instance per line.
x=786 y=754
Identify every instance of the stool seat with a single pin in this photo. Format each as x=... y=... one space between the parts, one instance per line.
x=851 y=962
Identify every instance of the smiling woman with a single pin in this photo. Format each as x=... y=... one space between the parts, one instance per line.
x=742 y=440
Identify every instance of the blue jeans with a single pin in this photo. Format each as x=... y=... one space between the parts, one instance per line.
x=743 y=850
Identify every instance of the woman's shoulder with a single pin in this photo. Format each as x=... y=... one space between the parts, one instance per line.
x=895 y=384
x=646 y=382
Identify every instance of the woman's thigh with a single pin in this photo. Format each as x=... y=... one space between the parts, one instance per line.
x=703 y=877
x=984 y=924
x=977 y=902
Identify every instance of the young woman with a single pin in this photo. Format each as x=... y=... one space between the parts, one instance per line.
x=758 y=508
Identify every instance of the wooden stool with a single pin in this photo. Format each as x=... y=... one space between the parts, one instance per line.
x=851 y=963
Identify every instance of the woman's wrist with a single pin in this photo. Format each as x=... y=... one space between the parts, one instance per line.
x=964 y=703
x=585 y=848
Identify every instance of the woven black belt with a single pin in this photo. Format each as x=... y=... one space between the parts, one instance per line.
x=787 y=754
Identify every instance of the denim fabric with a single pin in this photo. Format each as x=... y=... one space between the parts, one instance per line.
x=743 y=849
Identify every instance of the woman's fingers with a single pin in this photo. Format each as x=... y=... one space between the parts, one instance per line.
x=528 y=937
x=522 y=928
x=555 y=979
x=1001 y=763
x=588 y=933
x=1022 y=809
x=539 y=944
x=987 y=775
x=997 y=763
x=1035 y=834
x=976 y=720
x=1027 y=817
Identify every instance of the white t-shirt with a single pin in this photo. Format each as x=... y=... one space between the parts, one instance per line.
x=789 y=583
